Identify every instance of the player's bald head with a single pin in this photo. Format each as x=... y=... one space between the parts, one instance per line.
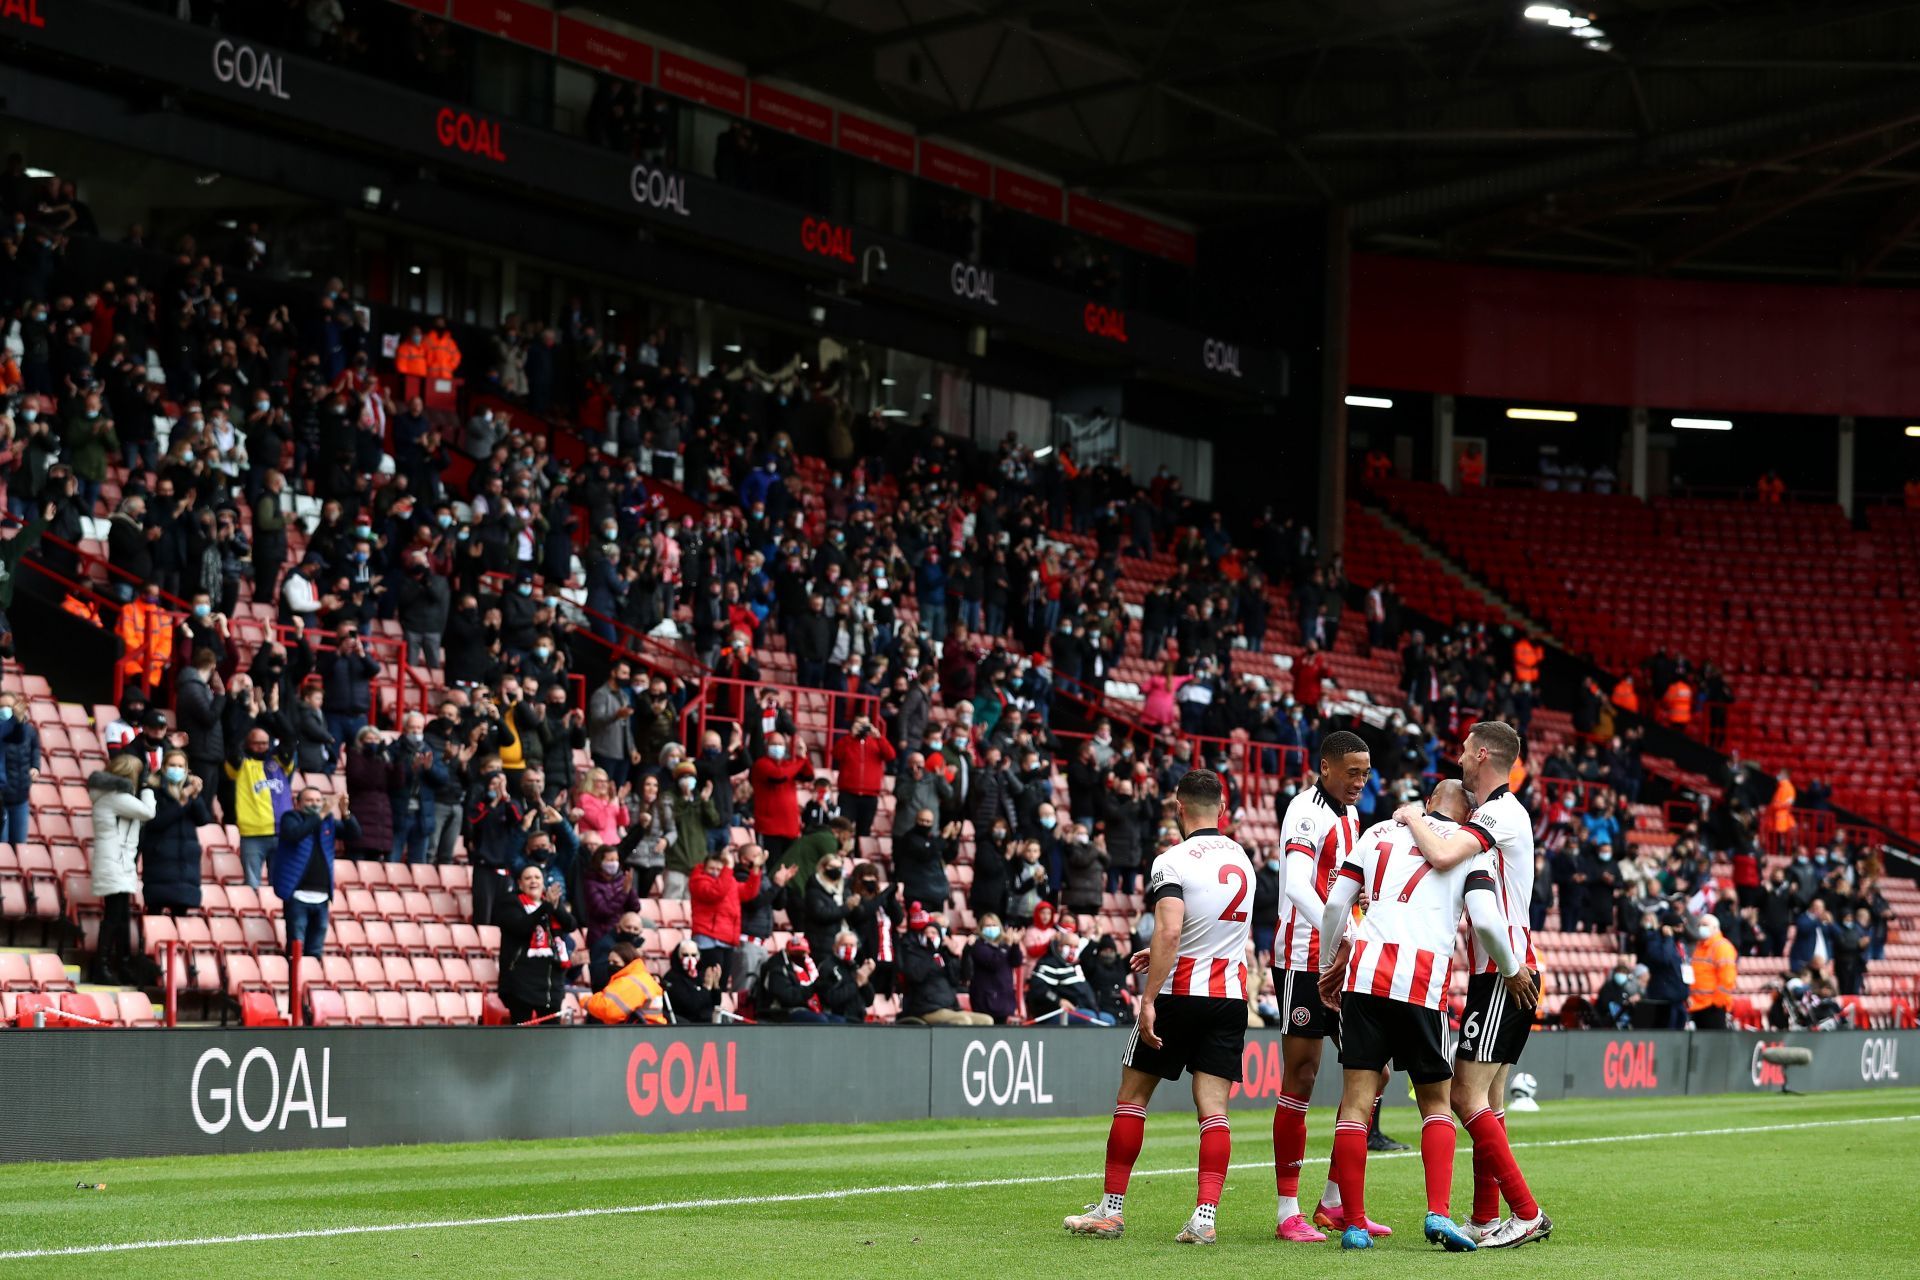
x=1450 y=800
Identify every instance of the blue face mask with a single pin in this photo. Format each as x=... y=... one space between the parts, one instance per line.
x=202 y=610
x=175 y=774
x=526 y=588
x=463 y=533
x=990 y=932
x=443 y=521
x=363 y=531
x=6 y=713
x=1047 y=823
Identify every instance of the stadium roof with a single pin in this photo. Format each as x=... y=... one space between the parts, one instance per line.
x=1758 y=137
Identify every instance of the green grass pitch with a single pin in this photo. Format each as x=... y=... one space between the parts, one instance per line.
x=1748 y=1186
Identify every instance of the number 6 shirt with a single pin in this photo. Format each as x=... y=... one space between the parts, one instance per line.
x=1212 y=875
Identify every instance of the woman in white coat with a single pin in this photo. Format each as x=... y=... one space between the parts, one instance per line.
x=121 y=806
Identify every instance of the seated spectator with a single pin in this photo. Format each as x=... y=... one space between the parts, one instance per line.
x=632 y=994
x=309 y=840
x=693 y=988
x=1618 y=995
x=1057 y=990
x=789 y=989
x=532 y=953
x=992 y=964
x=846 y=986
x=927 y=971
x=600 y=954
x=122 y=804
x=1107 y=974
x=170 y=841
x=370 y=773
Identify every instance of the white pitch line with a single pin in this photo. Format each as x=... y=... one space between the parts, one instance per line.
x=848 y=1193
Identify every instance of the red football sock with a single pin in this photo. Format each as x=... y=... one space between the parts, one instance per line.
x=1350 y=1165
x=1216 y=1152
x=1289 y=1142
x=1487 y=1131
x=1123 y=1145
x=1436 y=1157
x=1486 y=1187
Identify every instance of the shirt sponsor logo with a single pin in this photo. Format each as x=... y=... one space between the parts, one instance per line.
x=1220 y=357
x=817 y=235
x=254 y=1095
x=971 y=283
x=659 y=190
x=1630 y=1064
x=249 y=68
x=1001 y=1075
x=464 y=131
x=681 y=1081
x=1105 y=322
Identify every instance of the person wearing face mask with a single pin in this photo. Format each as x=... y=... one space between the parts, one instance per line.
x=418 y=774
x=918 y=787
x=694 y=815
x=309 y=839
x=992 y=964
x=19 y=769
x=921 y=858
x=776 y=797
x=1269 y=883
x=826 y=904
x=423 y=602
x=928 y=970
x=718 y=898
x=607 y=891
x=846 y=981
x=693 y=988
x=170 y=840
x=790 y=987
x=533 y=922
x=987 y=895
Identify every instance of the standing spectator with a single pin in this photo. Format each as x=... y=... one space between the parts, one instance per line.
x=694 y=815
x=308 y=843
x=917 y=789
x=1715 y=976
x=200 y=703
x=122 y=804
x=19 y=768
x=262 y=792
x=1086 y=872
x=717 y=901
x=424 y=600
x=417 y=774
x=993 y=962
x=862 y=757
x=1853 y=939
x=603 y=815
x=170 y=841
x=1124 y=814
x=1666 y=986
x=496 y=836
x=347 y=674
x=987 y=895
x=921 y=858
x=270 y=512
x=315 y=749
x=370 y=775
x=610 y=724
x=776 y=797
x=927 y=970
x=532 y=923
x=1813 y=936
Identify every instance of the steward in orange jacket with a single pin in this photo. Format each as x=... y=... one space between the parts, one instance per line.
x=410 y=357
x=1625 y=697
x=1676 y=705
x=1526 y=661
x=146 y=629
x=631 y=995
x=443 y=353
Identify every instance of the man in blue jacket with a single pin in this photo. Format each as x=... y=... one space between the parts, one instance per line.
x=308 y=838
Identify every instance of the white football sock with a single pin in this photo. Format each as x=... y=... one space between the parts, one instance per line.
x=1331 y=1196
x=1112 y=1205
x=1289 y=1206
x=1203 y=1214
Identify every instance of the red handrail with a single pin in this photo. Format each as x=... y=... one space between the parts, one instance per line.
x=669 y=659
x=842 y=709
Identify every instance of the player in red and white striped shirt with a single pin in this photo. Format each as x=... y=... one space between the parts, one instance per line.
x=1193 y=1006
x=1392 y=995
x=1499 y=1011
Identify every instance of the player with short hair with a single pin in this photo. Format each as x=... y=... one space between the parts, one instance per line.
x=1193 y=1006
x=1319 y=829
x=1494 y=1027
x=1392 y=996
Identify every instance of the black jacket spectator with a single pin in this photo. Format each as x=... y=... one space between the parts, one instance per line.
x=201 y=716
x=920 y=861
x=1123 y=816
x=692 y=1000
x=926 y=970
x=170 y=852
x=842 y=992
x=494 y=833
x=348 y=681
x=1054 y=982
x=535 y=981
x=314 y=747
x=369 y=784
x=780 y=990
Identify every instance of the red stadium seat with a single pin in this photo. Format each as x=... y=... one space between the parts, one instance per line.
x=452 y=1008
x=260 y=1009
x=136 y=1010
x=422 y=1010
x=83 y=1006
x=360 y=1008
x=326 y=1008
x=48 y=972
x=391 y=1007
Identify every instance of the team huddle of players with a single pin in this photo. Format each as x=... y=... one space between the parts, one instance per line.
x=1364 y=949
